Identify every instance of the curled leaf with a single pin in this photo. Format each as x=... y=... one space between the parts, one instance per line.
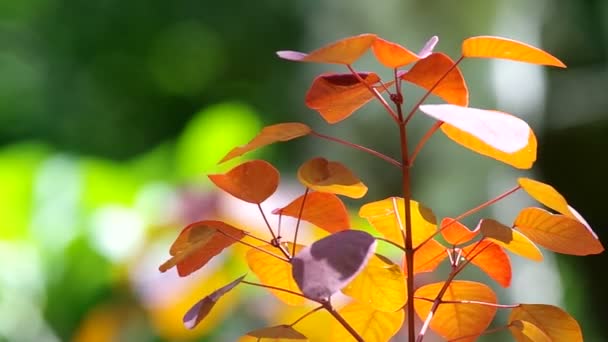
x=329 y=264
x=498 y=47
x=279 y=333
x=456 y=233
x=344 y=51
x=198 y=243
x=338 y=96
x=322 y=209
x=322 y=175
x=269 y=135
x=510 y=239
x=558 y=233
x=253 y=181
x=554 y=322
x=427 y=72
x=372 y=325
x=201 y=309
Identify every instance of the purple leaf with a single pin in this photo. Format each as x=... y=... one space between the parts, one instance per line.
x=428 y=47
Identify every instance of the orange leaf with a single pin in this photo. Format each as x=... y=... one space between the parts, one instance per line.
x=381 y=215
x=491 y=259
x=498 y=47
x=545 y=194
x=253 y=181
x=277 y=333
x=510 y=239
x=322 y=209
x=524 y=331
x=558 y=233
x=554 y=322
x=202 y=308
x=456 y=233
x=392 y=55
x=522 y=159
x=322 y=175
x=496 y=134
x=269 y=135
x=428 y=71
x=344 y=51
x=198 y=243
x=427 y=257
x=338 y=96
x=275 y=272
x=372 y=325
x=453 y=321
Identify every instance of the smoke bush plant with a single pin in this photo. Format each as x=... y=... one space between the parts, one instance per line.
x=383 y=294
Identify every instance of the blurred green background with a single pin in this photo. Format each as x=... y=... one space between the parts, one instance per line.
x=112 y=112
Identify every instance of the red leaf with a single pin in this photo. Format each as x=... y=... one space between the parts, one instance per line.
x=253 y=181
x=324 y=210
x=491 y=259
x=456 y=233
x=344 y=51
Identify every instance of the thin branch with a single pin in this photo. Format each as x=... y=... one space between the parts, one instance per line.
x=500 y=306
x=424 y=140
x=358 y=147
x=390 y=242
x=275 y=242
x=257 y=238
x=254 y=247
x=376 y=94
x=295 y=236
x=306 y=315
x=270 y=287
x=345 y=324
x=486 y=332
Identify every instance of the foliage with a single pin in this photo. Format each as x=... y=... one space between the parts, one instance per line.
x=382 y=292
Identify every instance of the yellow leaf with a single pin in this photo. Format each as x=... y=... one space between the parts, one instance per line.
x=381 y=215
x=510 y=239
x=372 y=325
x=322 y=175
x=554 y=322
x=498 y=47
x=459 y=320
x=279 y=333
x=524 y=331
x=559 y=233
x=381 y=284
x=275 y=272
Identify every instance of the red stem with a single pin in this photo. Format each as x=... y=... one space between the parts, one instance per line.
x=295 y=236
x=358 y=147
x=252 y=246
x=351 y=330
x=424 y=140
x=275 y=242
x=376 y=94
x=486 y=332
x=500 y=306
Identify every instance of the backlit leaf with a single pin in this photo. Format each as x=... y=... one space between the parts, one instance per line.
x=344 y=51
x=491 y=259
x=201 y=309
x=337 y=96
x=329 y=264
x=510 y=239
x=275 y=272
x=322 y=175
x=456 y=233
x=279 y=333
x=392 y=55
x=380 y=284
x=524 y=331
x=372 y=325
x=545 y=194
x=554 y=322
x=498 y=135
x=427 y=257
x=498 y=47
x=322 y=209
x=428 y=71
x=558 y=233
x=452 y=321
x=381 y=215
x=253 y=181
x=269 y=135
x=198 y=243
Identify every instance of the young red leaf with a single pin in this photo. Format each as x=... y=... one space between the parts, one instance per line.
x=322 y=209
x=269 y=135
x=279 y=333
x=554 y=322
x=275 y=272
x=253 y=181
x=455 y=321
x=456 y=233
x=380 y=284
x=427 y=257
x=491 y=259
x=198 y=243
x=393 y=55
x=372 y=325
x=344 y=51
x=558 y=233
x=201 y=309
x=381 y=215
x=338 y=96
x=322 y=175
x=510 y=239
x=499 y=132
x=428 y=71
x=498 y=47
x=329 y=264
